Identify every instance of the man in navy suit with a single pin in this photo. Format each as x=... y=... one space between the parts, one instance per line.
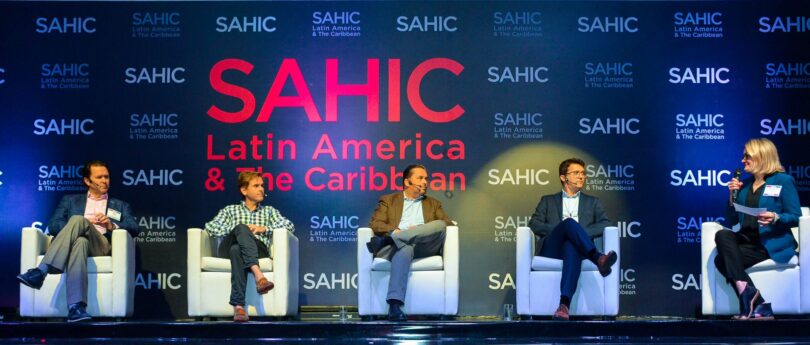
x=565 y=224
x=82 y=226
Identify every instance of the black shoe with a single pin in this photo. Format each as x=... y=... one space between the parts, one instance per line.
x=762 y=312
x=751 y=300
x=33 y=278
x=605 y=261
x=377 y=243
x=77 y=313
x=395 y=313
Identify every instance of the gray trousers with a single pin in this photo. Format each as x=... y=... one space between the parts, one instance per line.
x=69 y=250
x=420 y=242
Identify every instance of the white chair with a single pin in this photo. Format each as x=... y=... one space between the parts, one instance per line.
x=209 y=278
x=432 y=284
x=786 y=286
x=538 y=280
x=110 y=283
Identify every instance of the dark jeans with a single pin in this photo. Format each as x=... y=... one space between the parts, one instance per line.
x=244 y=250
x=735 y=253
x=570 y=243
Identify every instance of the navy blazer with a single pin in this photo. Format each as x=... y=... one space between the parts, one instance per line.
x=74 y=204
x=775 y=237
x=548 y=213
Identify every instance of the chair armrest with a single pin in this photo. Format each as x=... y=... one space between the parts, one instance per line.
x=451 y=268
x=123 y=273
x=285 y=272
x=198 y=245
x=364 y=260
x=612 y=239
x=524 y=252
x=804 y=264
x=708 y=230
x=33 y=244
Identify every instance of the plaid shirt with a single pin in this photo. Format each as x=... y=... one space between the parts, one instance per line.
x=233 y=215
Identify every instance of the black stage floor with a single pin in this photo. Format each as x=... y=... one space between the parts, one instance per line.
x=636 y=330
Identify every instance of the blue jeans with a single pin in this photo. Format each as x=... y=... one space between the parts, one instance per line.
x=570 y=243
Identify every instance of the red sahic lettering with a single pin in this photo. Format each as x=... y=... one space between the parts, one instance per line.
x=303 y=99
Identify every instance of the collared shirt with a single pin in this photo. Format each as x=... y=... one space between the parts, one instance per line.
x=411 y=212
x=232 y=215
x=93 y=207
x=570 y=206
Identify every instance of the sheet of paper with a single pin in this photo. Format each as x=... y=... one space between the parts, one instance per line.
x=751 y=211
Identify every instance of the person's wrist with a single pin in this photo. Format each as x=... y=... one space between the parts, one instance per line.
x=775 y=217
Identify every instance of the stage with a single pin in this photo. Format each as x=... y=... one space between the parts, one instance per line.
x=464 y=331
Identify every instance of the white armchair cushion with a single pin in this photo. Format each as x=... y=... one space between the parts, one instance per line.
x=537 y=285
x=209 y=278
x=786 y=286
x=769 y=265
x=110 y=283
x=542 y=263
x=433 y=286
x=431 y=263
x=213 y=264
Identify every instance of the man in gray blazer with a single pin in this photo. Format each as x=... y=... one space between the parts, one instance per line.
x=82 y=226
x=565 y=224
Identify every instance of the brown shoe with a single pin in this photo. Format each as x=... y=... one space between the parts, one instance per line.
x=263 y=286
x=605 y=261
x=239 y=314
x=561 y=313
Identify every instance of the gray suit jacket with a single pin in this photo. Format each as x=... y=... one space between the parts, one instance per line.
x=548 y=214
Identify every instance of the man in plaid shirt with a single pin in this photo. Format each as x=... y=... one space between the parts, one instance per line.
x=247 y=229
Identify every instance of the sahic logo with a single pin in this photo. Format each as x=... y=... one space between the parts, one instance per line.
x=371 y=90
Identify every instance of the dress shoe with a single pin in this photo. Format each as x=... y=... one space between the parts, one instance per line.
x=750 y=299
x=263 y=286
x=239 y=314
x=77 y=313
x=33 y=278
x=378 y=242
x=395 y=313
x=605 y=261
x=561 y=313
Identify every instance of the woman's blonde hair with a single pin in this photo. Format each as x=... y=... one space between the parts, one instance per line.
x=763 y=151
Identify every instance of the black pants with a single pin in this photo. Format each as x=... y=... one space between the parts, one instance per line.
x=735 y=253
x=244 y=250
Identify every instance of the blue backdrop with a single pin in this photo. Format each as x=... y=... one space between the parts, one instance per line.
x=330 y=98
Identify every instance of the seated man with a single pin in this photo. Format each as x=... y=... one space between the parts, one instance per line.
x=407 y=225
x=82 y=226
x=565 y=224
x=247 y=228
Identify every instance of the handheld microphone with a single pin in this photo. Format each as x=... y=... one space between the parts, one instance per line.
x=735 y=192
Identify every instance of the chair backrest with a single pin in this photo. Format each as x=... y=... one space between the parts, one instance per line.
x=795 y=230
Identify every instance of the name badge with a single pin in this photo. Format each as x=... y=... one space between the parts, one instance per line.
x=114 y=215
x=772 y=190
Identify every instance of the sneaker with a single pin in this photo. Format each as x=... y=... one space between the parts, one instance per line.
x=33 y=278
x=77 y=313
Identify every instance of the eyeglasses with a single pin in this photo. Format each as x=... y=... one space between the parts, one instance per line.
x=576 y=173
x=746 y=156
